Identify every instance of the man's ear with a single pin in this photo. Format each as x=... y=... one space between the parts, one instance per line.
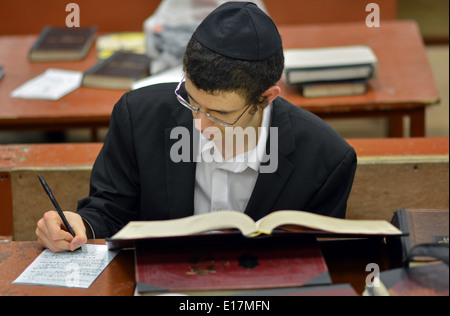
x=266 y=98
x=271 y=94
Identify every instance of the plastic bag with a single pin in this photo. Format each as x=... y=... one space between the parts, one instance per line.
x=171 y=27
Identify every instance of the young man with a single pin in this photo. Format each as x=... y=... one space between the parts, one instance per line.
x=157 y=163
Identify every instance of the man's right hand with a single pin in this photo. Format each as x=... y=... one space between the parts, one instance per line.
x=51 y=232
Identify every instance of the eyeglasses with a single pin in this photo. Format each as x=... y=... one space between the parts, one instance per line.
x=209 y=116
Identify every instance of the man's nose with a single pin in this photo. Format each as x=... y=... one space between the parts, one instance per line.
x=202 y=121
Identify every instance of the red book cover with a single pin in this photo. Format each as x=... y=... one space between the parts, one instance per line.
x=251 y=264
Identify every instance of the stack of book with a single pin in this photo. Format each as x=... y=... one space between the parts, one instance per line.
x=332 y=71
x=227 y=253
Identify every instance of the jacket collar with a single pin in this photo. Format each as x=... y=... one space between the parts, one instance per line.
x=180 y=182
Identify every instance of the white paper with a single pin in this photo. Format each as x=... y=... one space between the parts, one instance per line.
x=171 y=75
x=51 y=85
x=78 y=269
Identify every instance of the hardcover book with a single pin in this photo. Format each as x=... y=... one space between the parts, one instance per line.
x=334 y=88
x=119 y=71
x=297 y=222
x=419 y=227
x=62 y=44
x=329 y=64
x=220 y=267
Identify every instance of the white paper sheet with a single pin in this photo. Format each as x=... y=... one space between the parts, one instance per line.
x=78 y=269
x=171 y=75
x=51 y=85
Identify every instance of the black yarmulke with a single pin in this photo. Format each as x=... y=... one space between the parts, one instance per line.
x=240 y=30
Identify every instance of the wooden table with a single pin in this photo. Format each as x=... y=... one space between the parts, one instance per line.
x=83 y=108
x=346 y=261
x=405 y=85
x=116 y=280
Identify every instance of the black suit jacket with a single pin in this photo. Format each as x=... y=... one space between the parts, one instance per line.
x=134 y=177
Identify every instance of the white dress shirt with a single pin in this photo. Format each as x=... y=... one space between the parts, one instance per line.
x=228 y=185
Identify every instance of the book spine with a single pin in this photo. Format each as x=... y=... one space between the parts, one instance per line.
x=90 y=41
x=369 y=72
x=400 y=220
x=38 y=42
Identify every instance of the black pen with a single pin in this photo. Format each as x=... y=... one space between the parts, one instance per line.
x=55 y=203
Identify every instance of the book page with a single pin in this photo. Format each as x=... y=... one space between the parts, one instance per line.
x=78 y=269
x=51 y=85
x=188 y=226
x=326 y=223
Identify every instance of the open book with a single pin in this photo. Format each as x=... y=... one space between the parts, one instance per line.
x=291 y=220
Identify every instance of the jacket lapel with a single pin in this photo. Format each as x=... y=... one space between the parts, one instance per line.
x=180 y=176
x=269 y=185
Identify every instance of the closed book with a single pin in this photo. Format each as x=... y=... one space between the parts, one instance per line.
x=62 y=44
x=119 y=71
x=426 y=280
x=420 y=227
x=329 y=64
x=225 y=266
x=334 y=88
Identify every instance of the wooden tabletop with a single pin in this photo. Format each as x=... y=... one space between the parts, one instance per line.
x=116 y=280
x=404 y=80
x=346 y=261
x=85 y=107
x=404 y=84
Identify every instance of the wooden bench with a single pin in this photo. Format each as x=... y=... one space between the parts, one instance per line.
x=399 y=173
x=392 y=174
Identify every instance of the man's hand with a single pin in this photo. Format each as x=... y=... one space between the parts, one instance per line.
x=51 y=232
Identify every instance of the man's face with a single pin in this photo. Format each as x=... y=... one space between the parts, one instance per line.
x=226 y=106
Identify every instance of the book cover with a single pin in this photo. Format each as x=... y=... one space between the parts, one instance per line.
x=62 y=44
x=119 y=71
x=339 y=73
x=230 y=264
x=310 y=65
x=419 y=227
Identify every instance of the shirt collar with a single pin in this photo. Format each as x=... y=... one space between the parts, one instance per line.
x=243 y=161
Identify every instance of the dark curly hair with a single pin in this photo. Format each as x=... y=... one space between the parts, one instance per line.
x=212 y=72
